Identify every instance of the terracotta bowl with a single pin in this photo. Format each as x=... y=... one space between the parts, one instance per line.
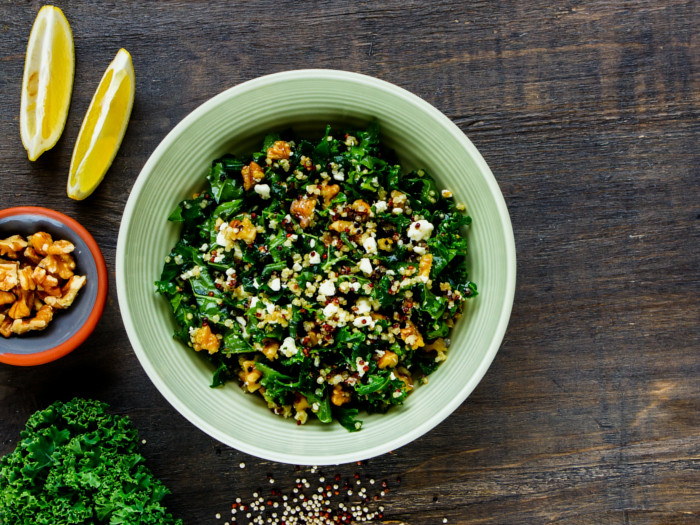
x=69 y=327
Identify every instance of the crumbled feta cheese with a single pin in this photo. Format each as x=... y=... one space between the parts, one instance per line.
x=380 y=206
x=327 y=288
x=221 y=238
x=312 y=242
x=363 y=306
x=420 y=230
x=270 y=308
x=366 y=266
x=275 y=284
x=296 y=267
x=315 y=258
x=364 y=321
x=289 y=347
x=370 y=245
x=256 y=284
x=360 y=366
x=263 y=190
x=272 y=224
x=330 y=310
x=420 y=250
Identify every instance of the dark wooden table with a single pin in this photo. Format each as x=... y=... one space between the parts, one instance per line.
x=587 y=113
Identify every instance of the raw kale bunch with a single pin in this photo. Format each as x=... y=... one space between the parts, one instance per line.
x=319 y=275
x=77 y=464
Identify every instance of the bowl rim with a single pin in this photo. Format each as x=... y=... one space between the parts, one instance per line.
x=46 y=356
x=318 y=458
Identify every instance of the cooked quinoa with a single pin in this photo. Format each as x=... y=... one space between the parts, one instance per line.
x=319 y=275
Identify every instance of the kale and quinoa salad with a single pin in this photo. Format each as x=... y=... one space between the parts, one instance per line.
x=319 y=275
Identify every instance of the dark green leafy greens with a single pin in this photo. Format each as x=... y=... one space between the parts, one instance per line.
x=319 y=275
x=77 y=464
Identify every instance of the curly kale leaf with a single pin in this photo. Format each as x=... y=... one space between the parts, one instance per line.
x=77 y=464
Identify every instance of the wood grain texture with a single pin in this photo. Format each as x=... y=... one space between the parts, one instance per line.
x=588 y=114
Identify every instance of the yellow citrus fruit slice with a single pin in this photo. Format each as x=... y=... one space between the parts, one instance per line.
x=103 y=129
x=47 y=82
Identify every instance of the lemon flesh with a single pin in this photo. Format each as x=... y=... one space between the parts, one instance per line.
x=103 y=128
x=47 y=83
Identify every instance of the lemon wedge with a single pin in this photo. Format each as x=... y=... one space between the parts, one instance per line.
x=47 y=82
x=103 y=128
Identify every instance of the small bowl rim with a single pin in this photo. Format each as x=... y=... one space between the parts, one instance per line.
x=82 y=333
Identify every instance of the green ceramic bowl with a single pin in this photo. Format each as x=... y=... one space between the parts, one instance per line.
x=236 y=121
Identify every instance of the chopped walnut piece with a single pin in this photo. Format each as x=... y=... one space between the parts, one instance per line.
x=300 y=403
x=40 y=241
x=344 y=227
x=60 y=248
x=242 y=230
x=411 y=336
x=61 y=265
x=22 y=307
x=279 y=150
x=426 y=262
x=10 y=246
x=249 y=375
x=39 y=322
x=270 y=347
x=8 y=276
x=361 y=209
x=388 y=359
x=328 y=192
x=7 y=298
x=204 y=339
x=44 y=292
x=303 y=209
x=38 y=303
x=69 y=292
x=31 y=255
x=44 y=280
x=340 y=396
x=6 y=327
x=252 y=174
x=26 y=282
